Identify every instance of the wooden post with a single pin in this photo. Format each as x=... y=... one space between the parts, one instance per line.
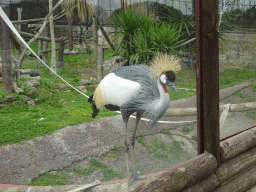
x=95 y=38
x=207 y=77
x=40 y=46
x=6 y=54
x=61 y=54
x=70 y=34
x=45 y=45
x=100 y=62
x=19 y=10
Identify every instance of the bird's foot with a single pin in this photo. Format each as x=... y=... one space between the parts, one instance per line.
x=134 y=179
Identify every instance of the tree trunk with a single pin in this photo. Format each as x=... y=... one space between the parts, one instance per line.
x=6 y=55
x=70 y=34
x=53 y=61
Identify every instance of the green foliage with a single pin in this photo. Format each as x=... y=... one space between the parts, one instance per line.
x=185 y=23
x=142 y=38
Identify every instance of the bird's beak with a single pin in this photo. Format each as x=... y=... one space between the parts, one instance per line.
x=170 y=84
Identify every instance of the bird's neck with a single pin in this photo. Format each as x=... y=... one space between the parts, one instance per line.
x=163 y=102
x=162 y=88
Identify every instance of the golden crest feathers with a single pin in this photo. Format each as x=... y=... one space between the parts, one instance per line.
x=164 y=62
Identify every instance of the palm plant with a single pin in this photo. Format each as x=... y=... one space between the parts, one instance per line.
x=154 y=38
x=141 y=38
x=128 y=24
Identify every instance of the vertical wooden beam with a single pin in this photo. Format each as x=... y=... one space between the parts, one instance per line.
x=40 y=47
x=70 y=34
x=45 y=45
x=207 y=77
x=61 y=55
x=6 y=54
x=95 y=36
x=100 y=60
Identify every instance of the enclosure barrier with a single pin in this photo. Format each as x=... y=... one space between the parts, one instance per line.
x=237 y=171
x=193 y=111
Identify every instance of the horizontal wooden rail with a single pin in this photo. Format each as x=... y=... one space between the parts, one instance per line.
x=41 y=37
x=237 y=144
x=180 y=176
x=193 y=111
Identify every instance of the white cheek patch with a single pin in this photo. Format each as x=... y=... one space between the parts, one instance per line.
x=163 y=79
x=117 y=91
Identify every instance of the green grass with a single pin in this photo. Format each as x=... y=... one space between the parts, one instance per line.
x=194 y=137
x=166 y=132
x=62 y=179
x=185 y=130
x=50 y=179
x=239 y=94
x=164 y=152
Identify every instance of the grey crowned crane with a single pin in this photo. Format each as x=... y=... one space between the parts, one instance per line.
x=137 y=88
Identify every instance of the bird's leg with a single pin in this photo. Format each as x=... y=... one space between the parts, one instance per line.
x=134 y=176
x=126 y=149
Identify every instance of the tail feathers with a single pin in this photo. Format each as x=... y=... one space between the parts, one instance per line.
x=95 y=109
x=90 y=99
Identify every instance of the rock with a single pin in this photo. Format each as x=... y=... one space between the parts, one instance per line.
x=64 y=87
x=34 y=82
x=25 y=98
x=37 y=78
x=24 y=76
x=32 y=93
x=38 y=101
x=10 y=98
x=55 y=90
x=92 y=79
x=85 y=82
x=2 y=106
x=17 y=89
x=31 y=103
x=74 y=51
x=82 y=89
x=17 y=103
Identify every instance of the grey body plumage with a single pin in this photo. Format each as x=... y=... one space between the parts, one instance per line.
x=146 y=101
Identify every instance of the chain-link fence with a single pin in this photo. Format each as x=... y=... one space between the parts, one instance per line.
x=238 y=32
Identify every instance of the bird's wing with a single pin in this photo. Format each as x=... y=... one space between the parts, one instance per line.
x=117 y=91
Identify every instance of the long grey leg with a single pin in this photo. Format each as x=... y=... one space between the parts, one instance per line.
x=134 y=175
x=138 y=117
x=126 y=147
x=126 y=150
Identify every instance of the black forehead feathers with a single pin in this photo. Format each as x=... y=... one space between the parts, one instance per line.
x=170 y=75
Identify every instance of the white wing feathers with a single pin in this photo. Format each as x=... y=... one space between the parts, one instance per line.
x=118 y=91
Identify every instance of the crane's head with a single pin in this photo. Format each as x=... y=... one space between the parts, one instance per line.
x=168 y=78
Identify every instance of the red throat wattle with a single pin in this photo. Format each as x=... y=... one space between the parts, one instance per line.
x=165 y=88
